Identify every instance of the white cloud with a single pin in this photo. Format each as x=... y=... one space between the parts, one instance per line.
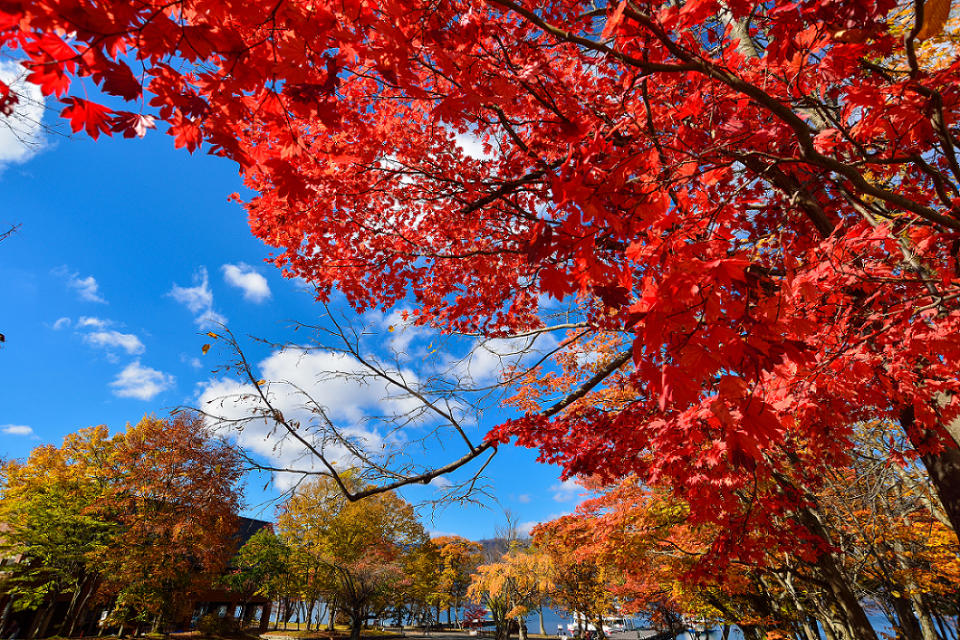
x=347 y=401
x=471 y=146
x=199 y=300
x=87 y=288
x=402 y=332
x=567 y=490
x=244 y=277
x=191 y=360
x=523 y=498
x=61 y=323
x=138 y=381
x=116 y=340
x=488 y=360
x=88 y=322
x=16 y=429
x=440 y=534
x=441 y=483
x=210 y=319
x=21 y=131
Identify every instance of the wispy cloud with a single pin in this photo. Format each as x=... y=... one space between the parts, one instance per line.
x=441 y=483
x=115 y=340
x=21 y=133
x=61 y=323
x=244 y=277
x=16 y=429
x=199 y=300
x=138 y=381
x=88 y=322
x=349 y=402
x=86 y=287
x=567 y=490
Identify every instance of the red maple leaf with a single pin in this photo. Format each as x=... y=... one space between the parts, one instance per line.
x=89 y=116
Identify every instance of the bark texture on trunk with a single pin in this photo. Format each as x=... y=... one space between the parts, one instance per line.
x=943 y=468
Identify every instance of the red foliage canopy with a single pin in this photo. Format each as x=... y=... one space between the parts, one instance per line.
x=762 y=198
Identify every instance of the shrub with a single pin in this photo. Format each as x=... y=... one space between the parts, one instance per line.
x=214 y=625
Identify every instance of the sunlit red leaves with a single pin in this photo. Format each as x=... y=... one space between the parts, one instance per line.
x=705 y=211
x=52 y=62
x=87 y=116
x=132 y=124
x=186 y=133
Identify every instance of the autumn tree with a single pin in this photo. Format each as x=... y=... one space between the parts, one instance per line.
x=459 y=558
x=145 y=517
x=512 y=587
x=175 y=494
x=53 y=522
x=759 y=200
x=261 y=567
x=668 y=566
x=422 y=568
x=580 y=583
x=355 y=548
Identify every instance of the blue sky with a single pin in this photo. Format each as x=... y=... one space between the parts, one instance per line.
x=127 y=253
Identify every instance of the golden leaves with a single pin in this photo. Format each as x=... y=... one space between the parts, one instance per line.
x=935 y=15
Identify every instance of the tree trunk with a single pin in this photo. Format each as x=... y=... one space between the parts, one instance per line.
x=71 y=608
x=82 y=607
x=40 y=628
x=600 y=634
x=543 y=631
x=501 y=627
x=828 y=629
x=943 y=468
x=927 y=630
x=356 y=625
x=907 y=623
x=853 y=613
x=5 y=617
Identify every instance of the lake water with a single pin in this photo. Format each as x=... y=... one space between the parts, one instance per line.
x=552 y=618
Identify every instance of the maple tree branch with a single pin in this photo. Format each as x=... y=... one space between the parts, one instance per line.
x=618 y=361
x=531 y=332
x=276 y=414
x=392 y=478
x=804 y=135
x=910 y=38
x=586 y=43
x=792 y=189
x=399 y=383
x=9 y=232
